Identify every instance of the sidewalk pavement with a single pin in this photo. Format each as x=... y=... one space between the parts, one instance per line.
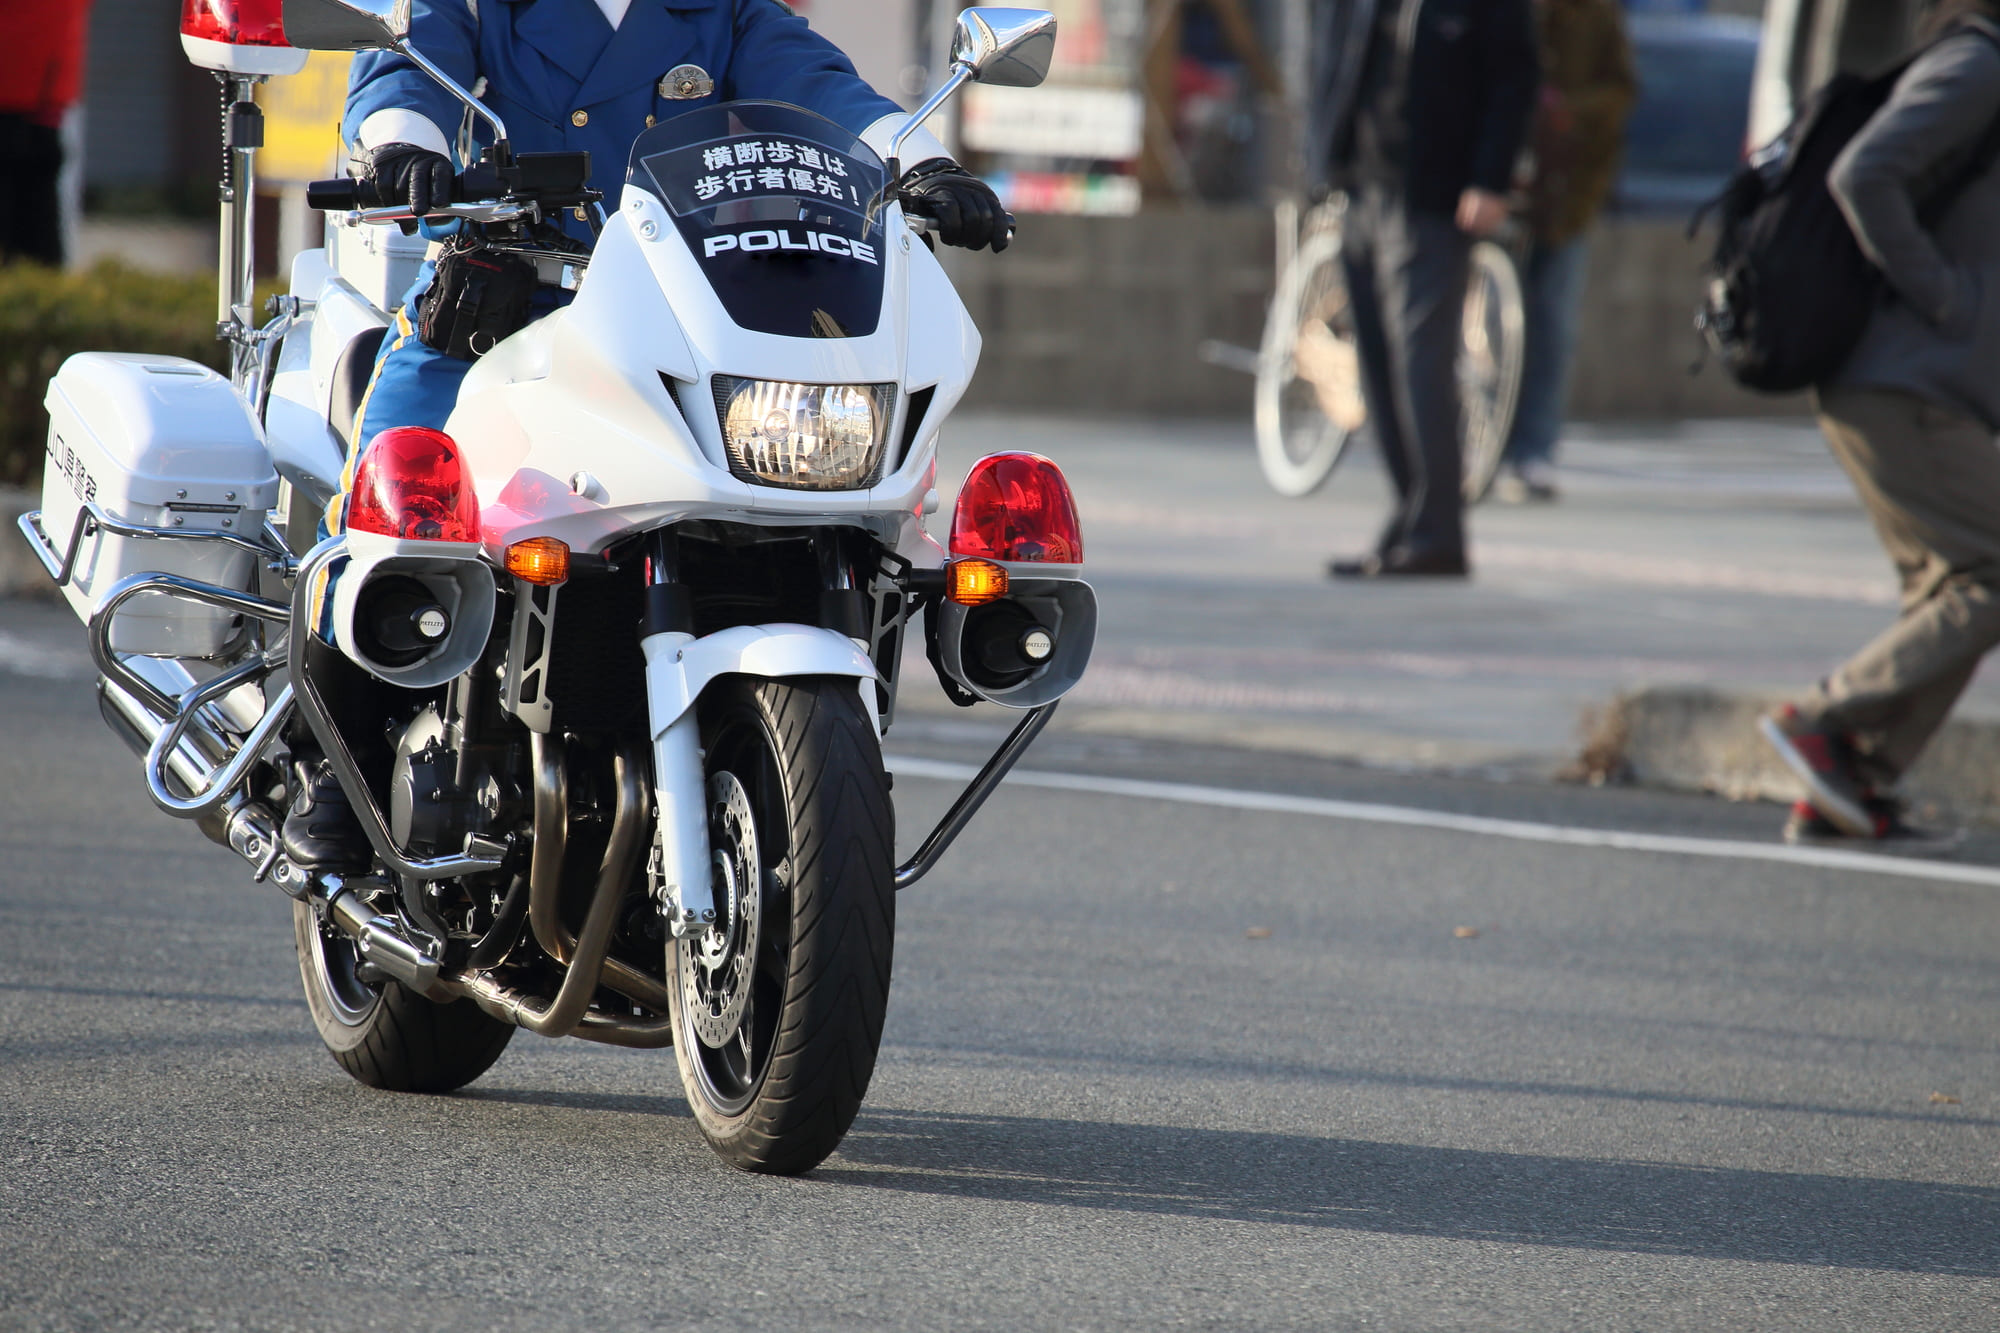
x=1688 y=575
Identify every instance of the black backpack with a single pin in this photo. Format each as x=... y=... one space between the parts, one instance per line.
x=1789 y=291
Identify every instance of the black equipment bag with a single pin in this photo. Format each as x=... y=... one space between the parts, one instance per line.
x=478 y=297
x=1789 y=290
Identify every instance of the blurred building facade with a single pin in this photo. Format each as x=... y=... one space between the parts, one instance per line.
x=1164 y=134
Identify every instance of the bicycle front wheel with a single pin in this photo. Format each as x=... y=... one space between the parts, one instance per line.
x=1308 y=374
x=1489 y=364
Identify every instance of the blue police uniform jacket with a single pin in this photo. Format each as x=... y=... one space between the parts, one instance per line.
x=561 y=79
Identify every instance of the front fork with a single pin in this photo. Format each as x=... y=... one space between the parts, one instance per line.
x=681 y=789
x=680 y=785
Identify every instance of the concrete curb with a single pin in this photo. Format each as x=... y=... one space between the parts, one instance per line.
x=21 y=574
x=1700 y=740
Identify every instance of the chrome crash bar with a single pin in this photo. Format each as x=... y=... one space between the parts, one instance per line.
x=480 y=855
x=968 y=803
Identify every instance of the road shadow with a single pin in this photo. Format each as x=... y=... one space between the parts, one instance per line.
x=619 y=1103
x=1400 y=1189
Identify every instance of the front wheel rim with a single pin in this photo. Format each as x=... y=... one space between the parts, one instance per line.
x=731 y=984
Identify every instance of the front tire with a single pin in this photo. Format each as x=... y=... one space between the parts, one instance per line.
x=383 y=1035
x=1308 y=395
x=778 y=1014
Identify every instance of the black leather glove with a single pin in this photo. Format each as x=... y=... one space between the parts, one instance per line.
x=965 y=208
x=403 y=172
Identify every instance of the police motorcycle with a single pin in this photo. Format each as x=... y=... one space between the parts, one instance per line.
x=603 y=667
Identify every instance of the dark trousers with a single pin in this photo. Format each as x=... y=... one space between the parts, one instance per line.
x=30 y=213
x=1406 y=274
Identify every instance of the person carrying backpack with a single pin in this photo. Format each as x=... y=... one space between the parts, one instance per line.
x=1912 y=415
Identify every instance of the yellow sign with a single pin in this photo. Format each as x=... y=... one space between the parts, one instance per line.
x=302 y=122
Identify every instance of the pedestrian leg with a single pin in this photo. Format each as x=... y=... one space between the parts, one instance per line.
x=1551 y=285
x=31 y=164
x=1930 y=479
x=1358 y=248
x=1422 y=266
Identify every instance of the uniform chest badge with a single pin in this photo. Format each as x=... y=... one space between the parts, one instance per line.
x=686 y=83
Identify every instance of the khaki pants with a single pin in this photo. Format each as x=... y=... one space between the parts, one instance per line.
x=1930 y=479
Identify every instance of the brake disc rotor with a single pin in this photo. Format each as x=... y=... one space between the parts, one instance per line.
x=718 y=970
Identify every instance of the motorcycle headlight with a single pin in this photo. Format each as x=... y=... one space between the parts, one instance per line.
x=809 y=437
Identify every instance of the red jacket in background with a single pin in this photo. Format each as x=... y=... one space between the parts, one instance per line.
x=41 y=57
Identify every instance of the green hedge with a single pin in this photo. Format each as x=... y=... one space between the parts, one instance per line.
x=47 y=315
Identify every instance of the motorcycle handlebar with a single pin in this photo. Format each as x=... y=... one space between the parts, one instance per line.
x=921 y=212
x=341 y=195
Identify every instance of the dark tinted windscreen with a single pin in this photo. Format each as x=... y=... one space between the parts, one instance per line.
x=773 y=200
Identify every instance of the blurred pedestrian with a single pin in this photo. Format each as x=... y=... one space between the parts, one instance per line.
x=1588 y=89
x=1417 y=111
x=41 y=76
x=1912 y=418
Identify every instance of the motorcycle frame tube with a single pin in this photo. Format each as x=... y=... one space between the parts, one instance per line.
x=545 y=878
x=334 y=746
x=565 y=1013
x=974 y=796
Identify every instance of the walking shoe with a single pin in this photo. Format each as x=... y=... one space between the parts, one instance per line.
x=1403 y=562
x=1823 y=760
x=321 y=831
x=1808 y=827
x=1538 y=480
x=1526 y=483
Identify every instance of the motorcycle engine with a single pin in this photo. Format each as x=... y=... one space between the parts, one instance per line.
x=441 y=789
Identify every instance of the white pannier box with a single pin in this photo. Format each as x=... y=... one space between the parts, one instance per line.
x=156 y=442
x=379 y=262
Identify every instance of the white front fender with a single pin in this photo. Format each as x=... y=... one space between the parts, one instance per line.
x=678 y=668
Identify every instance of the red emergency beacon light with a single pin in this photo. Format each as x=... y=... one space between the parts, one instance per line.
x=239 y=37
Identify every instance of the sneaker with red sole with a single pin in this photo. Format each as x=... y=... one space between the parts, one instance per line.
x=1823 y=760
x=1808 y=827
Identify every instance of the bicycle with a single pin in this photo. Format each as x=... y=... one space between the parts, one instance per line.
x=1308 y=398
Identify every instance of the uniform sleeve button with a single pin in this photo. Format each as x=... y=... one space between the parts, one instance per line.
x=651 y=121
x=579 y=118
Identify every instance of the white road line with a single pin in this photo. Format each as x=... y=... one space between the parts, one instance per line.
x=1825 y=858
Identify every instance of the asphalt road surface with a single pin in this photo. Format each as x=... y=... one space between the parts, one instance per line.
x=1148 y=1064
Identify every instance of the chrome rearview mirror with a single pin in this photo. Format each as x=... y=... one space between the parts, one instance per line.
x=1009 y=48
x=347 y=25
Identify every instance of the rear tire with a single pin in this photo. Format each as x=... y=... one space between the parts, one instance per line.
x=385 y=1036
x=776 y=1029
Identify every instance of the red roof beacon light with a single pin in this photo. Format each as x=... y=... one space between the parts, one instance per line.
x=411 y=484
x=239 y=37
x=1017 y=507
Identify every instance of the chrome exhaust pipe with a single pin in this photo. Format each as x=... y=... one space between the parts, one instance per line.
x=545 y=877
x=379 y=940
x=246 y=827
x=563 y=1015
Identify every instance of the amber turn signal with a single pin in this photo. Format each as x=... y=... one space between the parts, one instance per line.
x=974 y=582
x=542 y=560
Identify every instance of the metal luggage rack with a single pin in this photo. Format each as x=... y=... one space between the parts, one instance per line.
x=172 y=717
